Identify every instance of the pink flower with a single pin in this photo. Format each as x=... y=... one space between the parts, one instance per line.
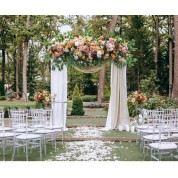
x=107 y=56
x=124 y=49
x=111 y=39
x=59 y=48
x=92 y=48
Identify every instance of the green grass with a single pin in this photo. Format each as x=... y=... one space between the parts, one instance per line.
x=119 y=134
x=83 y=121
x=18 y=104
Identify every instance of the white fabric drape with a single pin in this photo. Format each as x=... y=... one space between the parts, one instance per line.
x=118 y=110
x=59 y=88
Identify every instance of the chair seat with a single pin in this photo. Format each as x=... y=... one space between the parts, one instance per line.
x=6 y=134
x=22 y=130
x=163 y=146
x=54 y=127
x=5 y=128
x=44 y=131
x=174 y=130
x=154 y=137
x=150 y=131
x=28 y=136
x=38 y=126
x=142 y=127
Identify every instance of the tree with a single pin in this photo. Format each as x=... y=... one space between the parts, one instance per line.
x=175 y=91
x=25 y=59
x=102 y=75
x=157 y=43
x=170 y=54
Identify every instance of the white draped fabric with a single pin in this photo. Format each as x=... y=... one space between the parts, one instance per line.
x=118 y=116
x=59 y=88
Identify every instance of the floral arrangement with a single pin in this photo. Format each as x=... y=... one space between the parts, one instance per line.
x=86 y=51
x=42 y=97
x=136 y=101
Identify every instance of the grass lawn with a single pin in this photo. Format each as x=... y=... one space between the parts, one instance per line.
x=17 y=103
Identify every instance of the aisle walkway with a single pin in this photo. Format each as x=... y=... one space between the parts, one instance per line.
x=93 y=150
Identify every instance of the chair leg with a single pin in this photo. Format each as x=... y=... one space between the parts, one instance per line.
x=151 y=152
x=3 y=147
x=40 y=150
x=26 y=150
x=13 y=153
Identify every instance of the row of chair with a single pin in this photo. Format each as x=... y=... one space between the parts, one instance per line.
x=28 y=129
x=158 y=133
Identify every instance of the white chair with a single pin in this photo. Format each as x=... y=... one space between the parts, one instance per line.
x=26 y=140
x=152 y=135
x=161 y=147
x=5 y=137
x=39 y=121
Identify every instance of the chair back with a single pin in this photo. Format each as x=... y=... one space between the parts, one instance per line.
x=19 y=119
x=38 y=118
x=2 y=119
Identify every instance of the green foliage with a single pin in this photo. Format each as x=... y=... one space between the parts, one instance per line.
x=150 y=84
x=31 y=98
x=89 y=87
x=76 y=93
x=157 y=101
x=107 y=93
x=89 y=98
x=32 y=71
x=77 y=107
x=10 y=94
x=2 y=97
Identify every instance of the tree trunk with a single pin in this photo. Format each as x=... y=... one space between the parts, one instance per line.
x=3 y=71
x=25 y=59
x=175 y=90
x=170 y=55
x=157 y=44
x=101 y=86
x=14 y=61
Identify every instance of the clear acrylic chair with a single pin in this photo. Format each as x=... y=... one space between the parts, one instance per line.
x=6 y=137
x=26 y=140
x=163 y=148
x=152 y=135
x=39 y=121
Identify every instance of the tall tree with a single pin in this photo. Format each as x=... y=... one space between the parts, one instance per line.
x=175 y=91
x=25 y=57
x=170 y=54
x=157 y=43
x=102 y=75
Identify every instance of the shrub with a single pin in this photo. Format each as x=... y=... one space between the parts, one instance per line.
x=6 y=111
x=2 y=97
x=10 y=94
x=76 y=93
x=150 y=84
x=77 y=107
x=31 y=98
x=89 y=98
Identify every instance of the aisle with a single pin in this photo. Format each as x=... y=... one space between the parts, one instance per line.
x=92 y=150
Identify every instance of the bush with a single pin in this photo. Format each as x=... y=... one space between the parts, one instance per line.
x=150 y=84
x=77 y=107
x=76 y=93
x=2 y=97
x=31 y=98
x=10 y=94
x=89 y=98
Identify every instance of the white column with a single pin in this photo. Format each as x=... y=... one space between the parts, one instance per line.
x=59 y=88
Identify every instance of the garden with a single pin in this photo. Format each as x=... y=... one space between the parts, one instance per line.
x=105 y=90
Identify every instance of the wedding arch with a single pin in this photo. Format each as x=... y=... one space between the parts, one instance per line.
x=88 y=54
